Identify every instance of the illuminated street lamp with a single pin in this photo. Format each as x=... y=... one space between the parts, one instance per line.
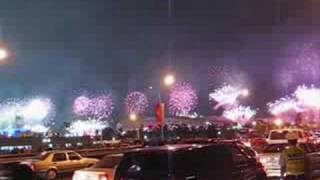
x=169 y=80
x=3 y=54
x=278 y=122
x=133 y=117
x=254 y=123
x=245 y=92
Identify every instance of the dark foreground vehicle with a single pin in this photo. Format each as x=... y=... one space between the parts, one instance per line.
x=223 y=161
x=15 y=172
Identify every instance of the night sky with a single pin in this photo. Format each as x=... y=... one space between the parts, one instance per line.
x=63 y=47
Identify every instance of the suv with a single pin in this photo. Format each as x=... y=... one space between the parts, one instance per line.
x=51 y=163
x=222 y=161
x=278 y=136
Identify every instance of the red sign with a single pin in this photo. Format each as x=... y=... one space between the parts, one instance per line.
x=159 y=110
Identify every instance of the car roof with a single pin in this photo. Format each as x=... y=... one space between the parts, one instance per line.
x=288 y=129
x=172 y=148
x=175 y=147
x=60 y=151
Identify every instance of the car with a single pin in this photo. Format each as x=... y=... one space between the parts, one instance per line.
x=278 y=136
x=270 y=157
x=15 y=171
x=51 y=163
x=105 y=169
x=180 y=162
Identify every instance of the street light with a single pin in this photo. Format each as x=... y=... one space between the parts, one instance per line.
x=133 y=117
x=245 y=92
x=254 y=123
x=3 y=54
x=169 y=80
x=278 y=122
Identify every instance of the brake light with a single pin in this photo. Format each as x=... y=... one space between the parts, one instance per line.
x=103 y=177
x=32 y=166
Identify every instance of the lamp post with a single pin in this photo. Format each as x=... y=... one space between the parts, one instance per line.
x=133 y=117
x=168 y=80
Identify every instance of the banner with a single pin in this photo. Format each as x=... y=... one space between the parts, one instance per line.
x=159 y=111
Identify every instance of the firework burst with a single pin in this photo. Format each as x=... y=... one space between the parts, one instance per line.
x=81 y=105
x=227 y=96
x=308 y=97
x=98 y=107
x=136 y=102
x=38 y=110
x=86 y=128
x=33 y=114
x=301 y=65
x=240 y=114
x=286 y=108
x=102 y=106
x=182 y=99
x=221 y=75
x=305 y=102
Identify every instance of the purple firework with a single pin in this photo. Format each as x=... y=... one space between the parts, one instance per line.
x=300 y=65
x=81 y=106
x=183 y=99
x=99 y=107
x=221 y=75
x=136 y=102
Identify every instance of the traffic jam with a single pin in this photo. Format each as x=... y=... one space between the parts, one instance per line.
x=283 y=154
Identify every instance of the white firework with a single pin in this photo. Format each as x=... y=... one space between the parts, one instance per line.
x=227 y=96
x=86 y=128
x=240 y=114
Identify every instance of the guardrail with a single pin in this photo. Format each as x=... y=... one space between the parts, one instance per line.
x=92 y=152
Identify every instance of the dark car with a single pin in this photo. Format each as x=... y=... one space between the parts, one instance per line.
x=220 y=161
x=15 y=172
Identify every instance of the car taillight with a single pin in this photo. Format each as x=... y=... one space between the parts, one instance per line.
x=32 y=166
x=103 y=177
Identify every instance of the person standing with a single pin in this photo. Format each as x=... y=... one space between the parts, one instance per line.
x=292 y=160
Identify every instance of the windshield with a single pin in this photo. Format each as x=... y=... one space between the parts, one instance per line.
x=275 y=148
x=43 y=156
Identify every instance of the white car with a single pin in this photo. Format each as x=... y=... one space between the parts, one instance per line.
x=270 y=157
x=103 y=170
x=278 y=136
